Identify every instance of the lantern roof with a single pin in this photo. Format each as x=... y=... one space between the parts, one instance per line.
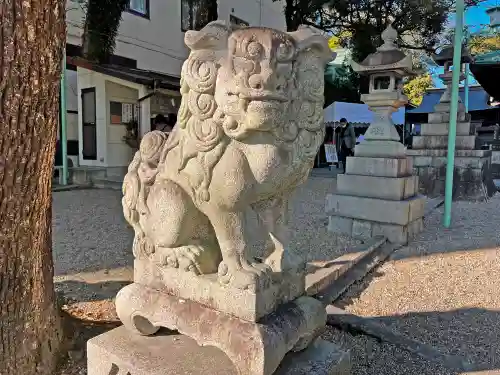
x=388 y=57
x=446 y=55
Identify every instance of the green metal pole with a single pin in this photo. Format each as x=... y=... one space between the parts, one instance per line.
x=466 y=88
x=467 y=72
x=63 y=135
x=457 y=53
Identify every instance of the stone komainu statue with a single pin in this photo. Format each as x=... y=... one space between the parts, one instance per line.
x=212 y=198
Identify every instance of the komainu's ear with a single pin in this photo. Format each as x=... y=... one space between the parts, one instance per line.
x=213 y=36
x=311 y=39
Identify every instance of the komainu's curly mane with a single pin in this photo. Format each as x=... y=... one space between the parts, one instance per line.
x=199 y=134
x=205 y=125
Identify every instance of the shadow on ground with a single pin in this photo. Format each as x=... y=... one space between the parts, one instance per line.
x=472 y=334
x=72 y=290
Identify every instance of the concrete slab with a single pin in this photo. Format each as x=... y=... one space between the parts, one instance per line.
x=121 y=352
x=379 y=166
x=391 y=188
x=377 y=210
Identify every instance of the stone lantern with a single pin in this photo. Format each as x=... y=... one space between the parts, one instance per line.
x=472 y=171
x=378 y=194
x=445 y=59
x=386 y=69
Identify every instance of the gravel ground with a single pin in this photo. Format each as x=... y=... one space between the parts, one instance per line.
x=443 y=289
x=89 y=232
x=92 y=242
x=93 y=258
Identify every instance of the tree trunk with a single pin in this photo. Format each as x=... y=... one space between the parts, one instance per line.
x=292 y=18
x=32 y=37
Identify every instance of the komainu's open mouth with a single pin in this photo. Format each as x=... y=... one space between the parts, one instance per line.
x=263 y=97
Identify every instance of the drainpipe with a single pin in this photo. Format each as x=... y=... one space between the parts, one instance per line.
x=450 y=164
x=63 y=135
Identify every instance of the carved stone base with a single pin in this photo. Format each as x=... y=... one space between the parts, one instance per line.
x=119 y=352
x=254 y=348
x=206 y=290
x=380 y=149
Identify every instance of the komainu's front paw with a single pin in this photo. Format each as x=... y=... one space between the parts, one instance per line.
x=192 y=258
x=254 y=276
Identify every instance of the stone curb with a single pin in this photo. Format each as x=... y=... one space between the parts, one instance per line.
x=57 y=189
x=357 y=272
x=349 y=322
x=436 y=203
x=328 y=272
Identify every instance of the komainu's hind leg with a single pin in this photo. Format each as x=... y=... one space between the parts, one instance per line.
x=181 y=235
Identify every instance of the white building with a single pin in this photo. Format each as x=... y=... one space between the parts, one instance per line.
x=149 y=53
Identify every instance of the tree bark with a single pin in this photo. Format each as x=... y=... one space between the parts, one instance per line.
x=32 y=37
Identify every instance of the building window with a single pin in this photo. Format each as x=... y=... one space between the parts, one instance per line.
x=139 y=7
x=237 y=21
x=196 y=14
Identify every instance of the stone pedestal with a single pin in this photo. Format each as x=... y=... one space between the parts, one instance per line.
x=472 y=175
x=209 y=208
x=472 y=178
x=377 y=196
x=167 y=353
x=472 y=170
x=495 y=164
x=253 y=347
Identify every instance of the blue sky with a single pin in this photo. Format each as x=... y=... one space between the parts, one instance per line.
x=476 y=18
x=477 y=15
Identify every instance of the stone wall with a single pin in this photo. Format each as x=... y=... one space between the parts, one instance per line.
x=472 y=173
x=495 y=164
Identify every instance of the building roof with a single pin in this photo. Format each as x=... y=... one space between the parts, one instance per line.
x=131 y=74
x=143 y=77
x=478 y=100
x=492 y=57
x=488 y=75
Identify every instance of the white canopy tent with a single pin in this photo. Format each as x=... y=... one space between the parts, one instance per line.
x=357 y=113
